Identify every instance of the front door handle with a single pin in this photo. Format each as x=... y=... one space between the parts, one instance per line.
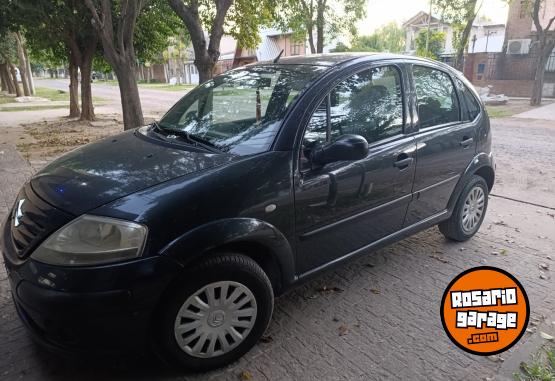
x=466 y=141
x=402 y=161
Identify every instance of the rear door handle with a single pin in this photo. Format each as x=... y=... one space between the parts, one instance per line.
x=466 y=141
x=403 y=163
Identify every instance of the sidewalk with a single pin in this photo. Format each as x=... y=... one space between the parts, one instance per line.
x=14 y=171
x=546 y=112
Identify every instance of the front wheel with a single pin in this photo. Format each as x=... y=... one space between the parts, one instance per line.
x=469 y=211
x=215 y=313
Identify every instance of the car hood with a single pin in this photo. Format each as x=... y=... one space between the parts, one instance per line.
x=115 y=167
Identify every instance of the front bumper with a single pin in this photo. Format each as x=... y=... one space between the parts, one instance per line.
x=89 y=317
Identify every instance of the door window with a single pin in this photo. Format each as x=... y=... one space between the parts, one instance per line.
x=368 y=103
x=436 y=97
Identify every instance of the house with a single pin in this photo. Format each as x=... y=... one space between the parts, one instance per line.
x=485 y=36
x=511 y=70
x=232 y=55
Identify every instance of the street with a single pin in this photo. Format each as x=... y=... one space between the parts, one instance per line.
x=374 y=318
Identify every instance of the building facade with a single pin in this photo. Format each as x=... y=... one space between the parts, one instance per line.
x=512 y=70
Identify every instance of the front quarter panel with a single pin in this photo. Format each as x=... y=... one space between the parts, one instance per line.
x=190 y=215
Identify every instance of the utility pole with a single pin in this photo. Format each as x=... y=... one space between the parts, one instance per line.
x=488 y=33
x=474 y=38
x=428 y=31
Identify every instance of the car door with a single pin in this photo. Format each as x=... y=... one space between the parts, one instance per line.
x=445 y=141
x=346 y=205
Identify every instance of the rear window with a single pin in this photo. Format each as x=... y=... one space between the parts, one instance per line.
x=472 y=105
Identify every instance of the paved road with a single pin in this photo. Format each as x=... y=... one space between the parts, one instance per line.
x=152 y=101
x=384 y=323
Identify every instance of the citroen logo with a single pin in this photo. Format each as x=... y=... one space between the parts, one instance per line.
x=18 y=212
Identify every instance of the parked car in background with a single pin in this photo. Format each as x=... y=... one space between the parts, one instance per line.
x=178 y=236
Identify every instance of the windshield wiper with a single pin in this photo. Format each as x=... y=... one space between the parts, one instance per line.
x=195 y=139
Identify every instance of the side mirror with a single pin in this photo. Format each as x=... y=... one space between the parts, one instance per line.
x=346 y=147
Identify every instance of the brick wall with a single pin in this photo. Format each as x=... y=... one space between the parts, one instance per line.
x=519 y=22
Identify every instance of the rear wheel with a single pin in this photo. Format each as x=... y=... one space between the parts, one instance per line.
x=469 y=211
x=215 y=313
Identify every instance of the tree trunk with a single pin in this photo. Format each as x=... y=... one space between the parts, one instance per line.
x=311 y=39
x=4 y=77
x=7 y=78
x=87 y=108
x=537 y=88
x=130 y=100
x=29 y=71
x=74 y=111
x=14 y=78
x=3 y=84
x=22 y=65
x=87 y=55
x=470 y=16
x=205 y=69
x=321 y=7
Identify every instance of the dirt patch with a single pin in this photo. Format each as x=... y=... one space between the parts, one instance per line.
x=42 y=142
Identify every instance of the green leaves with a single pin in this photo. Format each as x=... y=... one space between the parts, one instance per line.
x=435 y=44
x=389 y=38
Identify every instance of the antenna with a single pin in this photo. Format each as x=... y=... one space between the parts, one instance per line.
x=276 y=60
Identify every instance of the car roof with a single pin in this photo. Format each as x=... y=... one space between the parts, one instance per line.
x=335 y=59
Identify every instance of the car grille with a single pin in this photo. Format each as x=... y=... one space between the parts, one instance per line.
x=37 y=220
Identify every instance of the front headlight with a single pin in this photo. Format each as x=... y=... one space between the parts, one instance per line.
x=92 y=240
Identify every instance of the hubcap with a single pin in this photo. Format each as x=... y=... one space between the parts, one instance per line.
x=215 y=319
x=473 y=210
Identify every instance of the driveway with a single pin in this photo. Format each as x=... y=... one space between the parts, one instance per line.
x=382 y=319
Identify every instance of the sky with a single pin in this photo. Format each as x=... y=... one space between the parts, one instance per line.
x=381 y=12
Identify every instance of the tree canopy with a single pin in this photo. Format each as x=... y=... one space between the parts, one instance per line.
x=436 y=43
x=319 y=20
x=389 y=38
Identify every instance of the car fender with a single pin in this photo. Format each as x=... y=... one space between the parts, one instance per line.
x=190 y=246
x=481 y=160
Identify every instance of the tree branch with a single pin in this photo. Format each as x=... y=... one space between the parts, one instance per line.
x=190 y=17
x=536 y=16
x=217 y=30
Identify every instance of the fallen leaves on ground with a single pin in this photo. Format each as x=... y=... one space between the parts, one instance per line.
x=266 y=339
x=443 y=260
x=329 y=290
x=343 y=330
x=374 y=291
x=245 y=375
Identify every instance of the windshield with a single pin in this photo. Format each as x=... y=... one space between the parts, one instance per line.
x=240 y=111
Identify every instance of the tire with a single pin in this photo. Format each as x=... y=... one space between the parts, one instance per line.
x=454 y=228
x=245 y=280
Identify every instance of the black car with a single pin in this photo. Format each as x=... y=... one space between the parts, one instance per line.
x=177 y=236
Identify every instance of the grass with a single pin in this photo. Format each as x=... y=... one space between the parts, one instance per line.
x=541 y=368
x=31 y=108
x=42 y=92
x=152 y=85
x=166 y=87
x=499 y=112
x=52 y=94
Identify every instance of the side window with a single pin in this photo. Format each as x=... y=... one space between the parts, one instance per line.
x=437 y=100
x=472 y=104
x=369 y=103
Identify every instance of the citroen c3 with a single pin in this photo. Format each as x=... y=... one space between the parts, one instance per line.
x=177 y=236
